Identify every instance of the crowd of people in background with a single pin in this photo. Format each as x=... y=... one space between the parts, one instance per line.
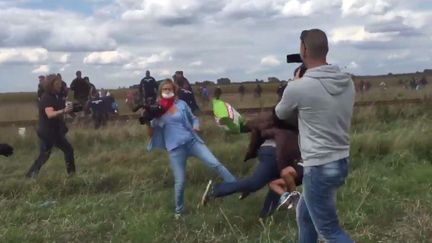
x=415 y=83
x=87 y=99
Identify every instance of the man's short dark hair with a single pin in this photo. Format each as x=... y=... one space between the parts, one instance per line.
x=316 y=42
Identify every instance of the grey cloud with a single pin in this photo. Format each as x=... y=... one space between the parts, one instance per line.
x=23 y=36
x=396 y=25
x=55 y=31
x=183 y=20
x=254 y=13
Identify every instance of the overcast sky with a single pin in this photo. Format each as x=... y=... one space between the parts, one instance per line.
x=114 y=42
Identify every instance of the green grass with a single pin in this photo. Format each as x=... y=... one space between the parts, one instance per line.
x=122 y=193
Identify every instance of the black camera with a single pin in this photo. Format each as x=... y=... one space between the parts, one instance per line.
x=150 y=112
x=76 y=107
x=296 y=58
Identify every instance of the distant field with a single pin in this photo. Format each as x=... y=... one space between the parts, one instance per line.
x=22 y=106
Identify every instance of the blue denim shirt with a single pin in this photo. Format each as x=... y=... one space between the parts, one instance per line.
x=168 y=133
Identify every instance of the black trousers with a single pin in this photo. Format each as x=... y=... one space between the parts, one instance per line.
x=46 y=146
x=100 y=119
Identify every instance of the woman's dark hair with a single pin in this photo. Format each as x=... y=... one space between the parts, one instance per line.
x=49 y=84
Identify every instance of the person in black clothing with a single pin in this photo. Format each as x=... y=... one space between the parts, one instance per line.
x=185 y=92
x=110 y=104
x=81 y=89
x=148 y=89
x=64 y=90
x=258 y=91
x=280 y=90
x=6 y=149
x=41 y=86
x=98 y=109
x=217 y=93
x=92 y=88
x=180 y=80
x=188 y=97
x=242 y=91
x=52 y=128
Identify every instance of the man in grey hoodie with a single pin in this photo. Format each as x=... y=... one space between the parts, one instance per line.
x=323 y=101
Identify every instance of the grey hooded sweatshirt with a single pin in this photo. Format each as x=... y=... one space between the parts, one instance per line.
x=323 y=99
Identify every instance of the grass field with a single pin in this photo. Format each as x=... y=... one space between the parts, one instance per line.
x=122 y=193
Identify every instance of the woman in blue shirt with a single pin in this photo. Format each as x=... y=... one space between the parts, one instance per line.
x=176 y=132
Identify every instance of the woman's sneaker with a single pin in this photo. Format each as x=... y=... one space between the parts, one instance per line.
x=244 y=195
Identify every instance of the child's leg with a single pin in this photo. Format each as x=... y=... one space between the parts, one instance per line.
x=288 y=175
x=278 y=186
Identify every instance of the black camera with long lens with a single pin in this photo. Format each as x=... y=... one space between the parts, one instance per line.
x=76 y=107
x=150 y=112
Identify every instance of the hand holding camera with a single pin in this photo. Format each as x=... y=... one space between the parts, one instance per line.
x=73 y=107
x=69 y=107
x=150 y=112
x=300 y=70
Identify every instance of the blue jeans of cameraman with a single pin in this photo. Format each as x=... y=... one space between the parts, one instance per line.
x=316 y=210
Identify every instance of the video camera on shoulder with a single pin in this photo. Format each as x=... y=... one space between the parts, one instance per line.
x=296 y=58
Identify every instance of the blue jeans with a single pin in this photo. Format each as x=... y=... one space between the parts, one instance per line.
x=178 y=157
x=316 y=210
x=265 y=172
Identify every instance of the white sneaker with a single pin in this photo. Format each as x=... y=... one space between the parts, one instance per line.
x=293 y=199
x=283 y=200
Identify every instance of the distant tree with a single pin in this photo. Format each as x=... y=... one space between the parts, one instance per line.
x=223 y=81
x=273 y=80
x=208 y=82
